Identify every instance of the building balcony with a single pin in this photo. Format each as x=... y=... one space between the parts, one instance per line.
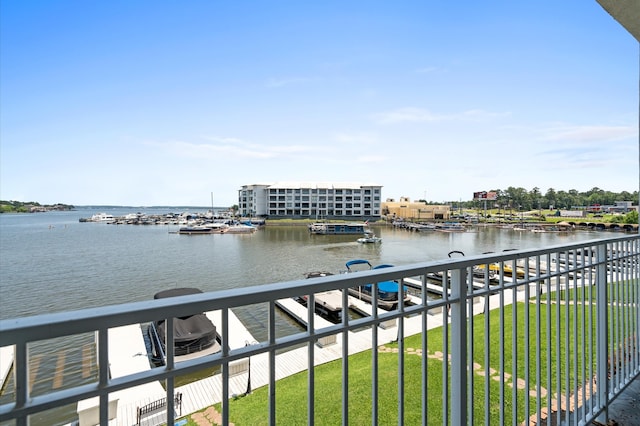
x=542 y=336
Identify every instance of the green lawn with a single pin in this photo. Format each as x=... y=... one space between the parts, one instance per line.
x=291 y=392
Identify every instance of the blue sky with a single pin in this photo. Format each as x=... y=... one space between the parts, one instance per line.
x=162 y=103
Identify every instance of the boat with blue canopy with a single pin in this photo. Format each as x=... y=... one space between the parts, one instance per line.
x=388 y=291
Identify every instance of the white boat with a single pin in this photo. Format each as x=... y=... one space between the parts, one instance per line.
x=450 y=227
x=102 y=217
x=216 y=227
x=368 y=238
x=240 y=228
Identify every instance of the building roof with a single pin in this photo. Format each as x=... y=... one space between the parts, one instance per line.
x=626 y=12
x=319 y=185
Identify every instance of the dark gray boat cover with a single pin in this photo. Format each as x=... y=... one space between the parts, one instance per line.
x=189 y=328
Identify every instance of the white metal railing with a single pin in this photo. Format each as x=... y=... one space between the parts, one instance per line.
x=526 y=336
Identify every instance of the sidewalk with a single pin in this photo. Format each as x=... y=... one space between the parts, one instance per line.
x=625 y=410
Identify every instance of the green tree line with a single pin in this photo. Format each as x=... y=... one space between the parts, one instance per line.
x=521 y=199
x=30 y=206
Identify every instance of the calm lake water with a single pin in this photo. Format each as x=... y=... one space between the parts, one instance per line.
x=50 y=262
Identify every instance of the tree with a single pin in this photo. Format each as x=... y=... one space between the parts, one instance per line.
x=631 y=217
x=534 y=198
x=550 y=198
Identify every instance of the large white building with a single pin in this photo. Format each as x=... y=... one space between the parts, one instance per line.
x=311 y=200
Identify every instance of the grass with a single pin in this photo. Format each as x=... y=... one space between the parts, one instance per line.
x=291 y=392
x=558 y=337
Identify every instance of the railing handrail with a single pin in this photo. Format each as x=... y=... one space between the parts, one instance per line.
x=14 y=331
x=602 y=258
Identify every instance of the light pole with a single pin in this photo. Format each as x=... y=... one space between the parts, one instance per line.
x=248 y=391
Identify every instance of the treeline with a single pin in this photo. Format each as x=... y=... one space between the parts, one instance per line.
x=521 y=199
x=31 y=207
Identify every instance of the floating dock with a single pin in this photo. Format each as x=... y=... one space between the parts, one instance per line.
x=6 y=363
x=324 y=228
x=127 y=354
x=300 y=313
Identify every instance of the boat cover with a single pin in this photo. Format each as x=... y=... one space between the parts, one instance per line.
x=174 y=292
x=353 y=262
x=189 y=328
x=385 y=286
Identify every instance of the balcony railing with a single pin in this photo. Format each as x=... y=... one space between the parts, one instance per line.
x=529 y=336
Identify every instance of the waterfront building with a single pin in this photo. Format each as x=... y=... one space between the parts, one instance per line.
x=316 y=200
x=408 y=210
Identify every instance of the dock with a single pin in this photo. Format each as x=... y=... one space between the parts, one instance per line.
x=299 y=313
x=127 y=354
x=6 y=363
x=431 y=288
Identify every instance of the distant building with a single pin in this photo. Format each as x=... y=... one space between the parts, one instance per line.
x=407 y=210
x=618 y=207
x=304 y=200
x=571 y=213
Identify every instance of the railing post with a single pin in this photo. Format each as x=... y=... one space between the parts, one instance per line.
x=170 y=365
x=225 y=366
x=21 y=377
x=103 y=380
x=458 y=347
x=602 y=337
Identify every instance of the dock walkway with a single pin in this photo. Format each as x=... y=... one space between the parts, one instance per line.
x=6 y=362
x=127 y=354
x=299 y=313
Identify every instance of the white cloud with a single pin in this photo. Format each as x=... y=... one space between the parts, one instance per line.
x=231 y=148
x=591 y=133
x=410 y=114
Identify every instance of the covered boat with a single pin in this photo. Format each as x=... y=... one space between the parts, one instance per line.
x=193 y=335
x=328 y=304
x=388 y=291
